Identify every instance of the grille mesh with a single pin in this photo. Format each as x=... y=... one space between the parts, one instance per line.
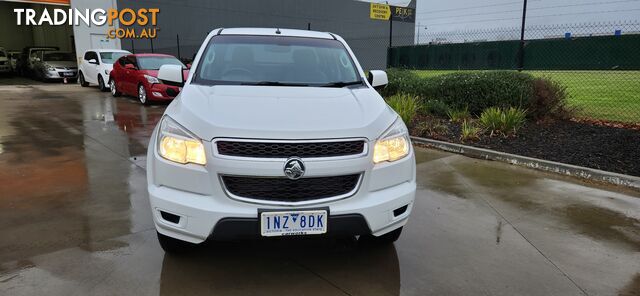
x=285 y=150
x=283 y=189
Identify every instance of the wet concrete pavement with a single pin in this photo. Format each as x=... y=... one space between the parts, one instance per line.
x=75 y=220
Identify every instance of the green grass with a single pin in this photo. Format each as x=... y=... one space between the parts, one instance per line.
x=605 y=95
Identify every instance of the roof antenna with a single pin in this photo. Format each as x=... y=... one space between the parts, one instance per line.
x=278 y=31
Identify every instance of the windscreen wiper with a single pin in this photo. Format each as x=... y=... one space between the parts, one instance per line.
x=274 y=83
x=341 y=83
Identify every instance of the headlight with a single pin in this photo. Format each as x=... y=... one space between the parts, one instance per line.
x=49 y=68
x=177 y=144
x=151 y=79
x=394 y=143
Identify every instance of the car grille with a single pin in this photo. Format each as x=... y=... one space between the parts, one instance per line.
x=286 y=150
x=283 y=189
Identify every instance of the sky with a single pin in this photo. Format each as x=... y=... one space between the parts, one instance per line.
x=450 y=15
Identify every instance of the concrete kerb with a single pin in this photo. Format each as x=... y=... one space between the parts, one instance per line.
x=534 y=163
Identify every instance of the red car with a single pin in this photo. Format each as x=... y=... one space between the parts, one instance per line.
x=137 y=75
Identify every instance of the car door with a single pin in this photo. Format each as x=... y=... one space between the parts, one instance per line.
x=129 y=76
x=89 y=69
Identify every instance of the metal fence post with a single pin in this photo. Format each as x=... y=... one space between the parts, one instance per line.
x=133 y=48
x=151 y=40
x=390 y=32
x=178 y=44
x=521 y=49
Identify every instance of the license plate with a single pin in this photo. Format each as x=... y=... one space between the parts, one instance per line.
x=68 y=74
x=293 y=223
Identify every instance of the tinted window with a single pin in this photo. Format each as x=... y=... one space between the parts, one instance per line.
x=2 y=54
x=111 y=57
x=88 y=55
x=287 y=60
x=154 y=62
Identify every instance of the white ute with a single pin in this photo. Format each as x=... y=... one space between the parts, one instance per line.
x=277 y=132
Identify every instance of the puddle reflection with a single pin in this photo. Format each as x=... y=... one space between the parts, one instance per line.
x=304 y=266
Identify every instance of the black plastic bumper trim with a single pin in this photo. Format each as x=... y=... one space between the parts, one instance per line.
x=249 y=228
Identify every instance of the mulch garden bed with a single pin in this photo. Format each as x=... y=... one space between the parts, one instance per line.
x=598 y=146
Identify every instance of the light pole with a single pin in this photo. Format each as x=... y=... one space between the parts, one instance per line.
x=425 y=27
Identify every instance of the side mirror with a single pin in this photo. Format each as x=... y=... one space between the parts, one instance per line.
x=93 y=61
x=171 y=75
x=130 y=67
x=378 y=79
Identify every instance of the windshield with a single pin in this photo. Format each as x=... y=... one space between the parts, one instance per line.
x=2 y=54
x=268 y=60
x=59 y=56
x=154 y=63
x=111 y=57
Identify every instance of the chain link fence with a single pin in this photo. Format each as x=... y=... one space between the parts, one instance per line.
x=599 y=63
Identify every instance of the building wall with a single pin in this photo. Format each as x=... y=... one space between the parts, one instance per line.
x=14 y=37
x=192 y=20
x=88 y=37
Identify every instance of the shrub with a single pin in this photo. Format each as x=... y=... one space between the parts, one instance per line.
x=513 y=119
x=499 y=121
x=406 y=106
x=430 y=127
x=435 y=107
x=491 y=119
x=469 y=131
x=458 y=115
x=480 y=90
x=400 y=81
x=549 y=100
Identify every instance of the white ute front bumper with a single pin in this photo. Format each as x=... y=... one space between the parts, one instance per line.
x=190 y=203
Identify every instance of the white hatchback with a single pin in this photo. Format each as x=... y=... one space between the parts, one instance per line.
x=277 y=132
x=96 y=65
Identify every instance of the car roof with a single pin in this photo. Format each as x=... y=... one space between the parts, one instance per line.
x=108 y=50
x=274 y=32
x=151 y=55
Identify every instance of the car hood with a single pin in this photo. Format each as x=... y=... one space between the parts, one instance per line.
x=154 y=73
x=66 y=64
x=276 y=112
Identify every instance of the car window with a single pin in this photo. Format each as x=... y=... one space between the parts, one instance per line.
x=155 y=62
x=58 y=56
x=36 y=54
x=287 y=60
x=111 y=57
x=87 y=55
x=2 y=54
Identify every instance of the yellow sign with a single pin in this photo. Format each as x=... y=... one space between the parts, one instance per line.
x=380 y=11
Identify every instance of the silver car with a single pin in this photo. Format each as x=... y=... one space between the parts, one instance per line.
x=55 y=65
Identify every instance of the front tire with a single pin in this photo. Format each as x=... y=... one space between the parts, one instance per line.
x=173 y=246
x=142 y=95
x=101 y=85
x=114 y=89
x=83 y=82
